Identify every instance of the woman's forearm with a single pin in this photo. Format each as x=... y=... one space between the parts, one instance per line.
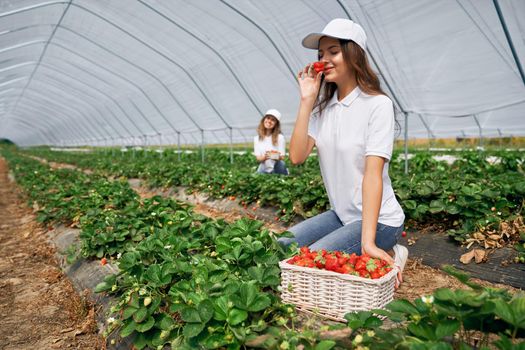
x=299 y=141
x=372 y=195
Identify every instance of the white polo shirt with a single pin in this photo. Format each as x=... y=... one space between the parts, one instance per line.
x=261 y=147
x=347 y=131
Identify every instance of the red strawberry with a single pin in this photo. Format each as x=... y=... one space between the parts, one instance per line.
x=331 y=263
x=103 y=261
x=347 y=268
x=304 y=250
x=318 y=66
x=360 y=265
x=404 y=234
x=353 y=258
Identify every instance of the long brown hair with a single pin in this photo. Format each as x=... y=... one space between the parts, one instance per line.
x=356 y=60
x=261 y=130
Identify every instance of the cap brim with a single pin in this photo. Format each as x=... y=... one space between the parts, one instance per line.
x=311 y=41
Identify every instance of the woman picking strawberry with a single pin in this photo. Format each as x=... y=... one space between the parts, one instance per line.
x=269 y=144
x=346 y=115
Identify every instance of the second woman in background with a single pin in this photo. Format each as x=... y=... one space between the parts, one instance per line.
x=269 y=144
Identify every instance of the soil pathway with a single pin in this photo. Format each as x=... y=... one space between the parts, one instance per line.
x=39 y=307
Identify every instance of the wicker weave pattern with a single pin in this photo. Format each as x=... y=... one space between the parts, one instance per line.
x=332 y=294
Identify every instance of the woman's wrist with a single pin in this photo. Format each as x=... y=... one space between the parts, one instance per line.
x=307 y=102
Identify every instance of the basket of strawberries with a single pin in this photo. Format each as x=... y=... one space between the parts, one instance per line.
x=332 y=284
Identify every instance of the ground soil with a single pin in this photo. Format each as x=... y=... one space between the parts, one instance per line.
x=40 y=308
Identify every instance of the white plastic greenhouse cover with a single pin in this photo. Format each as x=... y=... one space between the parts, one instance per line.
x=122 y=71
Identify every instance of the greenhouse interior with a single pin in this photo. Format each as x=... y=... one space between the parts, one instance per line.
x=242 y=174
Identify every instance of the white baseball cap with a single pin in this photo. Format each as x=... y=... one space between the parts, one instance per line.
x=275 y=113
x=339 y=28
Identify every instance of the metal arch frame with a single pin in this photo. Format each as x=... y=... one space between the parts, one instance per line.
x=259 y=110
x=17 y=121
x=159 y=53
x=127 y=33
x=51 y=67
x=115 y=74
x=83 y=116
x=13 y=81
x=101 y=92
x=429 y=131
x=48 y=126
x=139 y=68
x=55 y=70
x=52 y=114
x=143 y=116
x=152 y=48
x=91 y=74
x=264 y=33
x=42 y=54
x=83 y=119
x=93 y=106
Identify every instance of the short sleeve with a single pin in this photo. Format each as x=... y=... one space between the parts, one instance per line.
x=380 y=132
x=312 y=126
x=281 y=144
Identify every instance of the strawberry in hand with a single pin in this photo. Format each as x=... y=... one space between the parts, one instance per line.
x=319 y=66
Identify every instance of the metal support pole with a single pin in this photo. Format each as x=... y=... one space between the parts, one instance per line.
x=202 y=145
x=480 y=131
x=160 y=146
x=406 y=143
x=231 y=145
x=509 y=40
x=178 y=145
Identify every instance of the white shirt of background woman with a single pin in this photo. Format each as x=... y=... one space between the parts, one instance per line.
x=261 y=147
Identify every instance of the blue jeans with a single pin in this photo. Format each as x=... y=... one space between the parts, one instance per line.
x=278 y=168
x=326 y=231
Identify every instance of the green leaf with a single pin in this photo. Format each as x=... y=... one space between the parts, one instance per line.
x=166 y=323
x=325 y=345
x=422 y=331
x=447 y=328
x=192 y=329
x=128 y=312
x=236 y=316
x=373 y=322
x=505 y=312
x=221 y=308
x=140 y=341
x=205 y=310
x=436 y=206
x=128 y=328
x=215 y=341
x=190 y=314
x=145 y=326
x=402 y=305
x=140 y=315
x=102 y=287
x=250 y=299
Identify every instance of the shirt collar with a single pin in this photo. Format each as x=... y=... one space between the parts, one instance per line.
x=347 y=100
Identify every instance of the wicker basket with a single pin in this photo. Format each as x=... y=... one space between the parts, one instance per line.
x=332 y=295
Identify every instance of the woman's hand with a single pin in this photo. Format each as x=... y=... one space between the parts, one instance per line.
x=309 y=83
x=376 y=252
